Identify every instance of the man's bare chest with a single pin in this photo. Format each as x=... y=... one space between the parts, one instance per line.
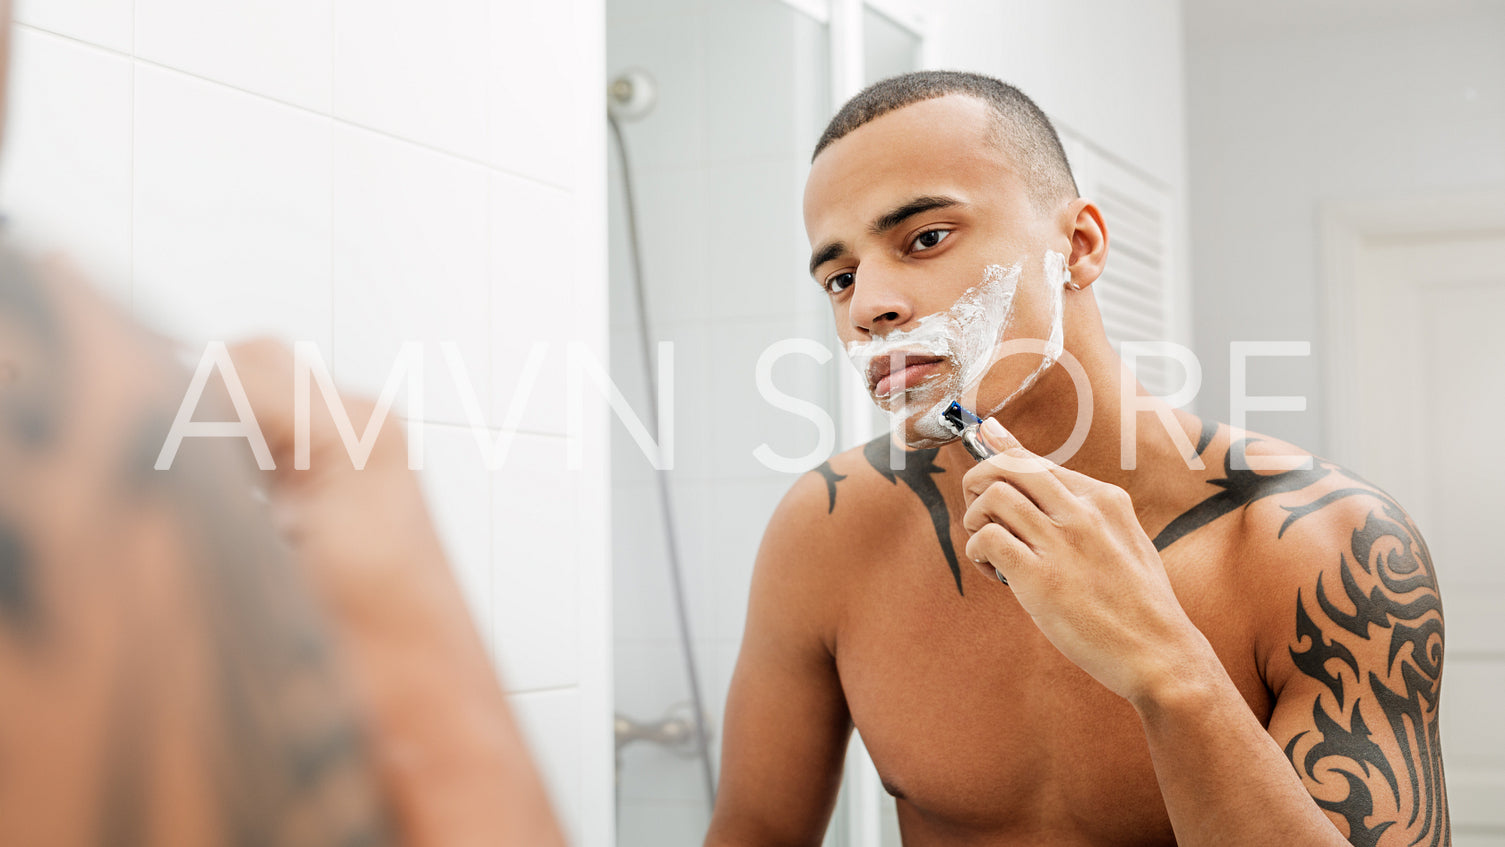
x=976 y=722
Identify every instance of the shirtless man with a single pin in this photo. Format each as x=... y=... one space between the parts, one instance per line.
x=1202 y=650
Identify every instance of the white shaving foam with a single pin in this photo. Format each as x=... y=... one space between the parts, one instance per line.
x=966 y=335
x=1055 y=281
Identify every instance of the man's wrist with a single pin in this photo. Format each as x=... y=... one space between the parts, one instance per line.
x=1183 y=678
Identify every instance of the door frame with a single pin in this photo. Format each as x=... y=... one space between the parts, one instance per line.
x=1344 y=226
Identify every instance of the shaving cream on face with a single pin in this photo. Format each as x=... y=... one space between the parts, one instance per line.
x=1055 y=283
x=966 y=336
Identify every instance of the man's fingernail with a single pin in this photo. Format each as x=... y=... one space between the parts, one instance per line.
x=995 y=431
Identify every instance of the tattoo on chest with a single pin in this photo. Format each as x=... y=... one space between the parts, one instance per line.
x=919 y=468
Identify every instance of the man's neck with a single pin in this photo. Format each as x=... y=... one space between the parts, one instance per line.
x=1044 y=417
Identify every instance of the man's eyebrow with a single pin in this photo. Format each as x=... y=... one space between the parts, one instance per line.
x=888 y=221
x=831 y=250
x=917 y=206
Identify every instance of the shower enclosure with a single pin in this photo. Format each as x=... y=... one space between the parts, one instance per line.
x=719 y=103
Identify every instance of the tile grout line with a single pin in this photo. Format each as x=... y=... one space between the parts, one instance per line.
x=334 y=119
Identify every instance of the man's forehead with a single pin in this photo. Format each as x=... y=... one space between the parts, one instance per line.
x=942 y=146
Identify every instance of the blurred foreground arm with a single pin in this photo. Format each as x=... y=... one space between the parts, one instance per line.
x=172 y=672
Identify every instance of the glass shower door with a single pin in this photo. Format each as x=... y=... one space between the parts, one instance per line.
x=725 y=101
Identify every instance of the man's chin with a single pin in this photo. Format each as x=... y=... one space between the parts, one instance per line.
x=918 y=425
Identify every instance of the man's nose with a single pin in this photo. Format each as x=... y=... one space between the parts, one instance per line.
x=879 y=302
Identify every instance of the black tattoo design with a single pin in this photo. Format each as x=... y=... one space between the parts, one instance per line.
x=1209 y=431
x=1387 y=549
x=832 y=477
x=1333 y=623
x=919 y=467
x=1240 y=489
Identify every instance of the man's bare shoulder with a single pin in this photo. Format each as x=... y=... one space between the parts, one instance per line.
x=1316 y=549
x=857 y=493
x=1303 y=510
x=1282 y=499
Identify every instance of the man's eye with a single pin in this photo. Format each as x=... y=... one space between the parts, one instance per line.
x=839 y=283
x=929 y=238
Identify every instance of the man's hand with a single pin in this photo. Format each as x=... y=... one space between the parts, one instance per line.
x=1079 y=563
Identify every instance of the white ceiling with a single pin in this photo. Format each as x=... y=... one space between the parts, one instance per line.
x=1218 y=21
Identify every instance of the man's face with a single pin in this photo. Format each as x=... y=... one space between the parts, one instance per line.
x=908 y=215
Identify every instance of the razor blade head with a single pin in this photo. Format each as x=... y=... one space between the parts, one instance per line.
x=958 y=418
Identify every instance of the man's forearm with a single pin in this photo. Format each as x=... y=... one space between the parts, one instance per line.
x=1224 y=779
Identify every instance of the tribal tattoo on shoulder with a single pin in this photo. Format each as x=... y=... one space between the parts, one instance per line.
x=1370 y=630
x=919 y=468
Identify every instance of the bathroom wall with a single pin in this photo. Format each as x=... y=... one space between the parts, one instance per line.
x=718 y=169
x=1112 y=77
x=362 y=173
x=1284 y=118
x=1110 y=71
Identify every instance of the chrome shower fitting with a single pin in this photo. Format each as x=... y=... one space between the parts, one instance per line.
x=677 y=731
x=631 y=95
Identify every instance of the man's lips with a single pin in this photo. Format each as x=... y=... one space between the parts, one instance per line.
x=896 y=372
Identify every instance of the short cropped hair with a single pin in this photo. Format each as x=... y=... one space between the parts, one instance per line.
x=1020 y=129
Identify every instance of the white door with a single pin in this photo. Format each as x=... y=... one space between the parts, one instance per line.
x=1428 y=425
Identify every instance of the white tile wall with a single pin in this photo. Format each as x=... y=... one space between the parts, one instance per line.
x=361 y=173
x=277 y=48
x=457 y=488
x=67 y=176
x=746 y=419
x=738 y=514
x=416 y=70
x=232 y=212
x=534 y=279
x=533 y=529
x=550 y=720
x=671 y=48
x=409 y=264
x=755 y=46
x=651 y=823
x=651 y=677
x=644 y=605
x=756 y=230
x=696 y=425
x=106 y=23
x=524 y=131
x=674 y=208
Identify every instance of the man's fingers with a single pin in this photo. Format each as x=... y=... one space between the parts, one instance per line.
x=995 y=436
x=995 y=548
x=1024 y=471
x=1007 y=506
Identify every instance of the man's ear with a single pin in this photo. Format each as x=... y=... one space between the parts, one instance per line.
x=1089 y=242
